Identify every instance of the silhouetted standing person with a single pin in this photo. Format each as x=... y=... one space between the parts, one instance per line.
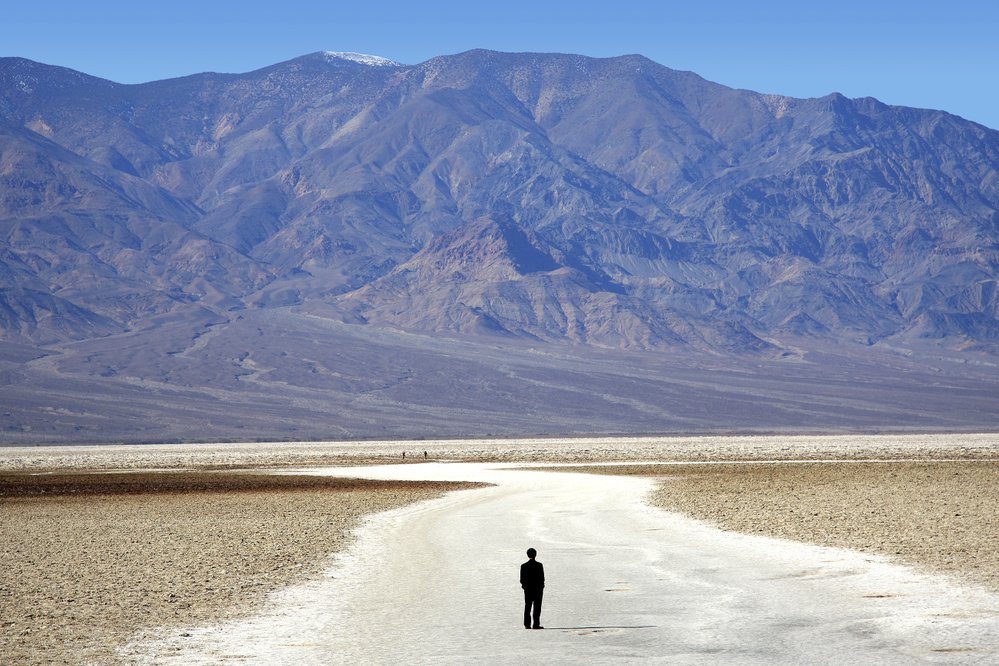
x=532 y=579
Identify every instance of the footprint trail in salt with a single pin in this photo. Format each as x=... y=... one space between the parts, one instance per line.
x=438 y=582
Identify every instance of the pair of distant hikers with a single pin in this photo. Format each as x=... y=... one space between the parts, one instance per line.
x=532 y=579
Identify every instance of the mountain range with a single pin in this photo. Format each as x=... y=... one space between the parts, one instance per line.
x=578 y=206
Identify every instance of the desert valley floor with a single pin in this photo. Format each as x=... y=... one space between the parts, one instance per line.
x=689 y=550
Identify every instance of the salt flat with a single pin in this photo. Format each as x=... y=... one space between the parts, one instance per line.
x=437 y=582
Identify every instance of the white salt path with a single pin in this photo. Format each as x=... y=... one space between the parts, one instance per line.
x=437 y=583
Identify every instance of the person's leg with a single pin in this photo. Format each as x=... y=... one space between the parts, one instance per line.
x=537 y=608
x=527 y=609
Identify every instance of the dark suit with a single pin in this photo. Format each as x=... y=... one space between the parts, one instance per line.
x=532 y=579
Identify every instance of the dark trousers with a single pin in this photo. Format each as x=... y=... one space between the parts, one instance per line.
x=532 y=600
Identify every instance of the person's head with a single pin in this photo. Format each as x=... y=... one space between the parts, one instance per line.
x=531 y=553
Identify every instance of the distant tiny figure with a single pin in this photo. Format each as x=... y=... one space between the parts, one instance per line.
x=424 y=455
x=532 y=579
x=403 y=455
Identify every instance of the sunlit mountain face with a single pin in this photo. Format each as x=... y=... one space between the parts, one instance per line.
x=602 y=206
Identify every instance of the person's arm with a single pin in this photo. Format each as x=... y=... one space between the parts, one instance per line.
x=523 y=575
x=541 y=571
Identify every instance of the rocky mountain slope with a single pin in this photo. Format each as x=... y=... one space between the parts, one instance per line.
x=626 y=204
x=487 y=197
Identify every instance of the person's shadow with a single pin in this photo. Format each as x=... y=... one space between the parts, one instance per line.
x=604 y=627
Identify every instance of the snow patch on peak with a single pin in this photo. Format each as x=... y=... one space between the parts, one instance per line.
x=362 y=58
x=778 y=105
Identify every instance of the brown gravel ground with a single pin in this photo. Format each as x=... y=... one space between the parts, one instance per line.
x=86 y=560
x=939 y=516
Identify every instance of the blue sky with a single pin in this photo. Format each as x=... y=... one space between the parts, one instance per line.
x=942 y=54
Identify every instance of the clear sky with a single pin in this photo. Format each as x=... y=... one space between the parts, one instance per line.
x=941 y=54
